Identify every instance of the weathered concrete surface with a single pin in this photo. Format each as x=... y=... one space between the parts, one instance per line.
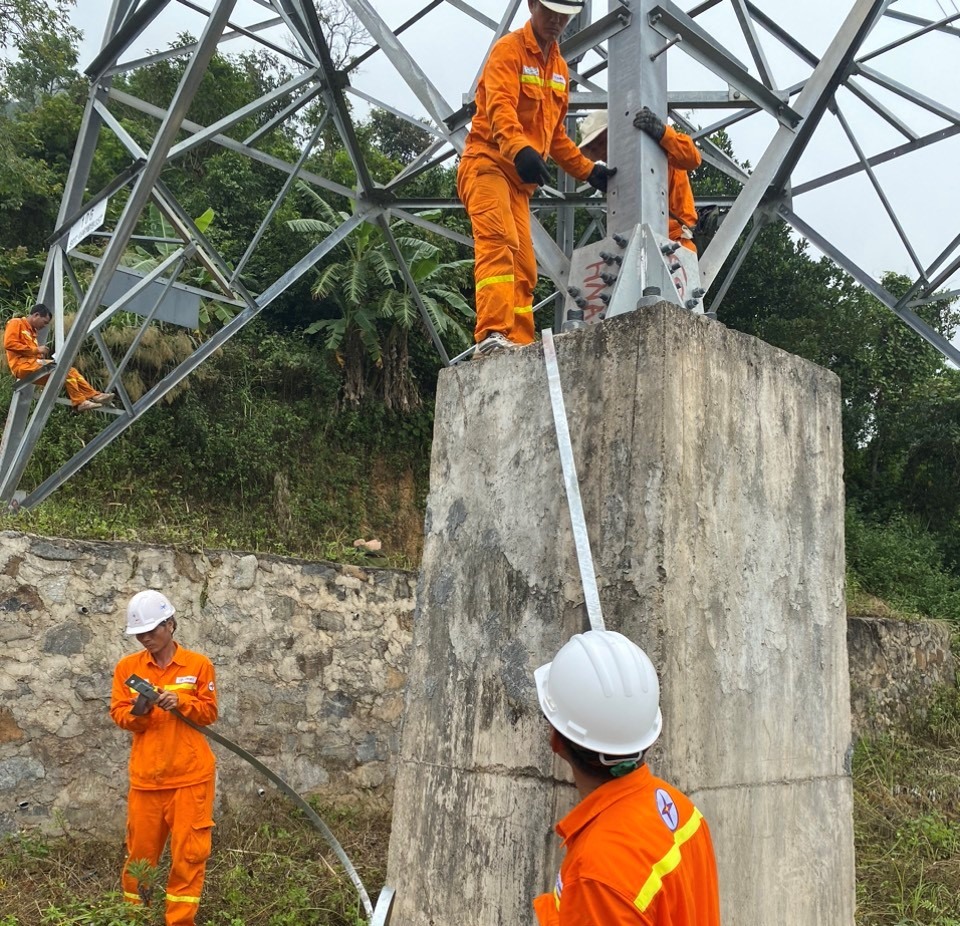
x=710 y=467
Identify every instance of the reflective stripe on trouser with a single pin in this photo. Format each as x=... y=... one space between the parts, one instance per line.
x=185 y=815
x=78 y=389
x=505 y=266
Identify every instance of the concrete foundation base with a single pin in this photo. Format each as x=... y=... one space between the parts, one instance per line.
x=710 y=468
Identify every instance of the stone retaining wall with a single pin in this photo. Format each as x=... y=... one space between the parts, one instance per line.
x=310 y=658
x=896 y=670
x=311 y=661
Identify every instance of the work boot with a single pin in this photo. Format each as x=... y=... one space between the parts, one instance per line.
x=88 y=405
x=103 y=398
x=493 y=342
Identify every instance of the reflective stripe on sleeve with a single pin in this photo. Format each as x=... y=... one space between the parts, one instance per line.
x=668 y=862
x=523 y=310
x=489 y=281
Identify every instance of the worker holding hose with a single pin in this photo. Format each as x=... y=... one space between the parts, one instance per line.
x=171 y=764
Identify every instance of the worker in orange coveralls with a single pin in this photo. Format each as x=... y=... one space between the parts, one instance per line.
x=521 y=104
x=25 y=355
x=682 y=156
x=171 y=765
x=638 y=853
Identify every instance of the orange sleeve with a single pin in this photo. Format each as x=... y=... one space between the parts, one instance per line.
x=682 y=153
x=545 y=907
x=592 y=903
x=200 y=705
x=16 y=341
x=501 y=77
x=567 y=154
x=121 y=702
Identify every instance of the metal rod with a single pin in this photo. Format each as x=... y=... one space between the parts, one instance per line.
x=911 y=319
x=412 y=287
x=677 y=38
x=878 y=188
x=278 y=201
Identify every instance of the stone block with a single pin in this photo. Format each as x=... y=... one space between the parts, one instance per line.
x=897 y=669
x=245 y=574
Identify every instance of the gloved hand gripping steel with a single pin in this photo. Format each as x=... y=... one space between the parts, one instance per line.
x=600 y=175
x=531 y=167
x=647 y=122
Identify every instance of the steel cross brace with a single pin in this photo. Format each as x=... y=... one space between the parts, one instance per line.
x=773 y=170
x=21 y=434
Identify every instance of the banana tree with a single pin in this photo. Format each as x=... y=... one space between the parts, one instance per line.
x=375 y=311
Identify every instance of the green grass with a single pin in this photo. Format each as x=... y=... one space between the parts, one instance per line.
x=268 y=868
x=907 y=823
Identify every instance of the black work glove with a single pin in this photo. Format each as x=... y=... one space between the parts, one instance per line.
x=531 y=167
x=647 y=122
x=600 y=175
x=141 y=706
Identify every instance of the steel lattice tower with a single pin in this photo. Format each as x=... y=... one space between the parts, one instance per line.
x=618 y=58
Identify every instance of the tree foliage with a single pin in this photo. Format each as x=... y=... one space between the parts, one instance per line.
x=344 y=354
x=398 y=139
x=375 y=311
x=21 y=19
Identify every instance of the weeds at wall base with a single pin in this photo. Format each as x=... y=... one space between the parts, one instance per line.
x=907 y=822
x=269 y=868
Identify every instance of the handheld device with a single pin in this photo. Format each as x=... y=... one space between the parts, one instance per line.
x=143 y=687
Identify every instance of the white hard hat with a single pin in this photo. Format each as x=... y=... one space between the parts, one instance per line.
x=592 y=126
x=570 y=7
x=148 y=609
x=601 y=692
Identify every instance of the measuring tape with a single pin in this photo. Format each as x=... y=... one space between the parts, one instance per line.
x=588 y=576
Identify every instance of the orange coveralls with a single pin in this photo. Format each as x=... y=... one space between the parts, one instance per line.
x=521 y=100
x=171 y=776
x=638 y=854
x=682 y=156
x=23 y=358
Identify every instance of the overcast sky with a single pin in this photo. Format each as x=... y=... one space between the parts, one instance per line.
x=450 y=46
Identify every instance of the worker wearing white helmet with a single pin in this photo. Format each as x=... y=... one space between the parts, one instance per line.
x=638 y=853
x=172 y=767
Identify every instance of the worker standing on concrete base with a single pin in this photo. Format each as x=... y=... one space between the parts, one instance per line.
x=172 y=767
x=521 y=100
x=26 y=355
x=638 y=853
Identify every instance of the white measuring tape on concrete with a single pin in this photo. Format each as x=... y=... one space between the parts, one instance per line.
x=591 y=596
